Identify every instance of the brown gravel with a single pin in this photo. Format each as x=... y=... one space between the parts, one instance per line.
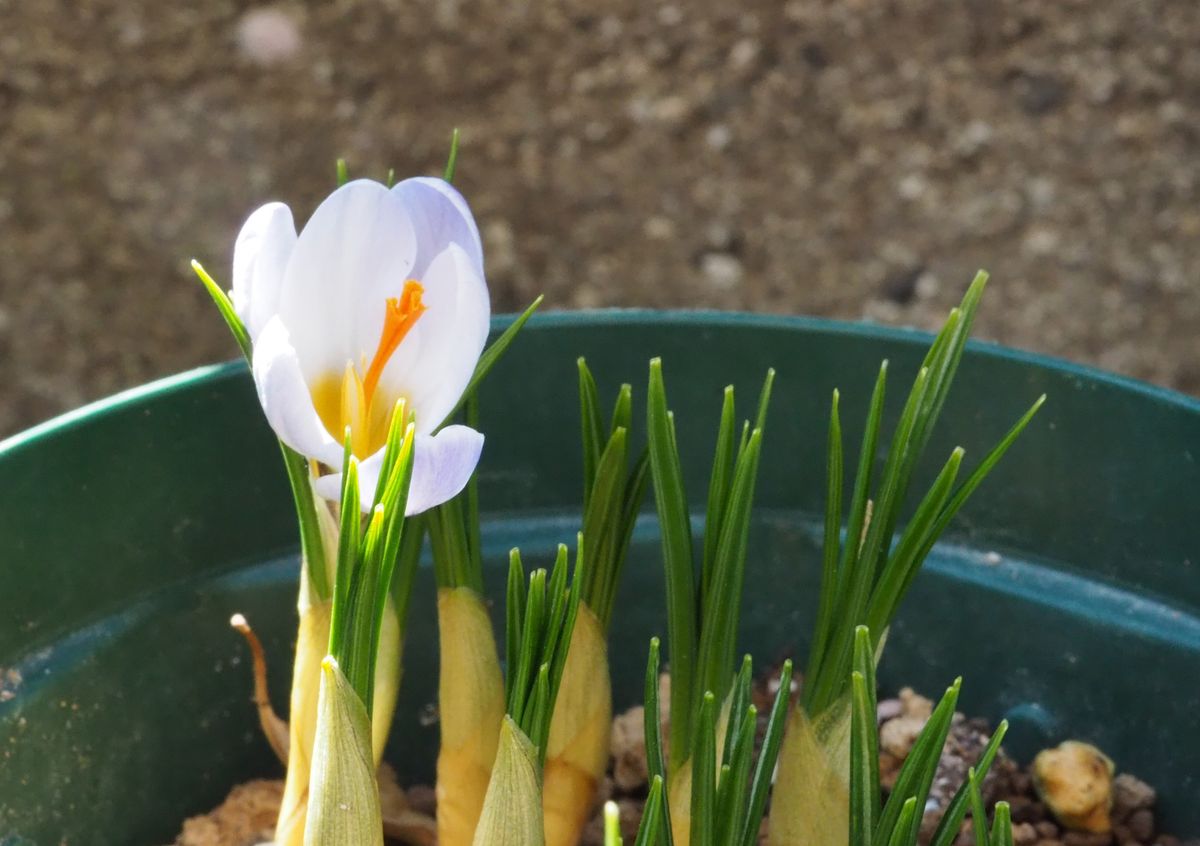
x=246 y=817
x=832 y=157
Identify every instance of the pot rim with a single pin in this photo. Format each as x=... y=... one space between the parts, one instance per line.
x=907 y=336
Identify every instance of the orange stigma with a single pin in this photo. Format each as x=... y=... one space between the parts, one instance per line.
x=400 y=316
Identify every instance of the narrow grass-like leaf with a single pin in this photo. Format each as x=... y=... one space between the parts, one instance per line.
x=704 y=774
x=824 y=678
x=739 y=700
x=956 y=811
x=917 y=772
x=514 y=619
x=890 y=588
x=348 y=547
x=1002 y=833
x=834 y=475
x=564 y=625
x=735 y=774
x=656 y=763
x=618 y=548
x=764 y=399
x=531 y=641
x=862 y=769
x=537 y=714
x=312 y=547
x=978 y=813
x=671 y=501
x=622 y=413
x=721 y=611
x=495 y=352
x=602 y=515
x=539 y=622
x=976 y=479
x=474 y=541
x=452 y=159
x=225 y=308
x=864 y=743
x=764 y=770
x=718 y=488
x=905 y=831
x=945 y=371
x=408 y=558
x=592 y=429
x=453 y=563
x=612 y=824
x=652 y=815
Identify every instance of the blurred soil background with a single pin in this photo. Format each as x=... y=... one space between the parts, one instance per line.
x=845 y=158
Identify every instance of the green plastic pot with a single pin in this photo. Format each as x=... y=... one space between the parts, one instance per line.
x=1068 y=594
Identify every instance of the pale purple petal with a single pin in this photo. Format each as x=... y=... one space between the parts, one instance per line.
x=356 y=251
x=285 y=397
x=440 y=217
x=260 y=258
x=330 y=486
x=435 y=364
x=442 y=466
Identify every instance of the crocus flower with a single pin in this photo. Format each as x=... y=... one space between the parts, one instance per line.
x=380 y=298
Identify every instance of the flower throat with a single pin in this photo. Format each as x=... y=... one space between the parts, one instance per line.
x=349 y=400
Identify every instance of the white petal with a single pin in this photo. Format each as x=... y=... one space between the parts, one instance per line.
x=330 y=486
x=356 y=251
x=285 y=397
x=260 y=257
x=441 y=217
x=442 y=466
x=435 y=363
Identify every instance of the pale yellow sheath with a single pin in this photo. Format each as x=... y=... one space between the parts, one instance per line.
x=471 y=706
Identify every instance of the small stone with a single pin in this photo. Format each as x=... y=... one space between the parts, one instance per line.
x=1024 y=834
x=1039 y=93
x=915 y=705
x=422 y=798
x=670 y=15
x=1075 y=781
x=722 y=270
x=1088 y=838
x=744 y=54
x=720 y=236
x=659 y=228
x=628 y=749
x=1041 y=242
x=1047 y=829
x=1131 y=794
x=671 y=110
x=901 y=287
x=1141 y=825
x=268 y=36
x=718 y=136
x=912 y=186
x=1100 y=85
x=1025 y=809
x=973 y=139
x=889 y=770
x=898 y=736
x=888 y=709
